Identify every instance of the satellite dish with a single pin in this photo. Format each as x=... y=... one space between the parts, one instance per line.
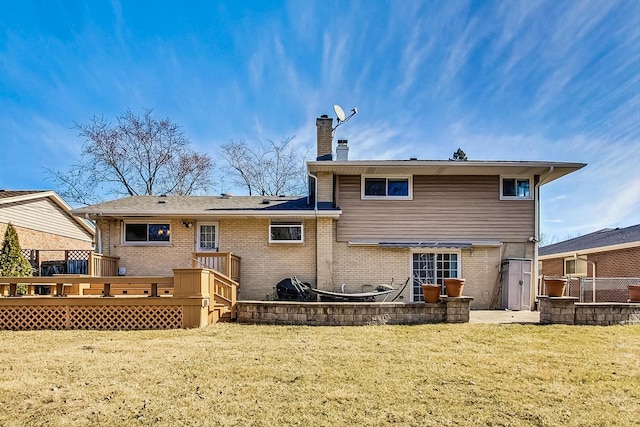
x=341 y=116
x=339 y=113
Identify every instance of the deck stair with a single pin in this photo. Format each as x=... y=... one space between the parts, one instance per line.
x=220 y=313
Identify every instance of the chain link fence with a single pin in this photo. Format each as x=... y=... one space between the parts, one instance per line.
x=607 y=289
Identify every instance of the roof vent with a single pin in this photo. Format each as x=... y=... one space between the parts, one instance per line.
x=413 y=158
x=265 y=201
x=163 y=195
x=162 y=201
x=226 y=195
x=342 y=152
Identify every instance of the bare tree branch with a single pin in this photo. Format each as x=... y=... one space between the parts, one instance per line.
x=268 y=169
x=137 y=155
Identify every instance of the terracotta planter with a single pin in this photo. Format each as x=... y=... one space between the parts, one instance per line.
x=555 y=287
x=431 y=293
x=634 y=293
x=454 y=287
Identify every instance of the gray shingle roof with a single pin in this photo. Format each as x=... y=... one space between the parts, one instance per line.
x=195 y=205
x=601 y=238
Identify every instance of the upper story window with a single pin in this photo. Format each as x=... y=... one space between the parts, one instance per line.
x=286 y=232
x=374 y=187
x=515 y=188
x=138 y=232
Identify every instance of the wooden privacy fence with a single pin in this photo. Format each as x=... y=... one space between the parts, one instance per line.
x=199 y=297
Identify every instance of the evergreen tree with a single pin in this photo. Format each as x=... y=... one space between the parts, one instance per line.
x=12 y=262
x=459 y=156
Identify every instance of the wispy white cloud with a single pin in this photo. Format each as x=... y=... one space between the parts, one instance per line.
x=536 y=80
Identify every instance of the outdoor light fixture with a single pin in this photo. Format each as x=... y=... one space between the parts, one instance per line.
x=187 y=224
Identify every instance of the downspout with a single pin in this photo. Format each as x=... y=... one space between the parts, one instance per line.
x=99 y=243
x=315 y=210
x=537 y=226
x=315 y=198
x=593 y=282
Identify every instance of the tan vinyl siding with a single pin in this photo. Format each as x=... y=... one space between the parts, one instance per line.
x=443 y=207
x=45 y=216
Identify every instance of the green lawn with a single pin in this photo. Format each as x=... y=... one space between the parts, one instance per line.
x=230 y=374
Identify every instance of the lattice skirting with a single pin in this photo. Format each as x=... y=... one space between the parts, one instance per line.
x=91 y=317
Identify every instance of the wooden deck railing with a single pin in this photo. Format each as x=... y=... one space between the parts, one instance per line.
x=223 y=262
x=224 y=291
x=76 y=284
x=102 y=265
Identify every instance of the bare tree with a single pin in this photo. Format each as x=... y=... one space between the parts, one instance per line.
x=139 y=155
x=269 y=169
x=548 y=239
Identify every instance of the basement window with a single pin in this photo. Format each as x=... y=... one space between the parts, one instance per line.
x=137 y=232
x=286 y=232
x=397 y=188
x=514 y=188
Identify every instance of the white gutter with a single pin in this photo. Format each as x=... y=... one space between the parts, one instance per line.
x=224 y=213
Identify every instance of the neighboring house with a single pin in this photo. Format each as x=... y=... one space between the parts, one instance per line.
x=363 y=223
x=612 y=252
x=46 y=229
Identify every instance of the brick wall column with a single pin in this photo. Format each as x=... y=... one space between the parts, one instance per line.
x=457 y=309
x=325 y=187
x=324 y=253
x=557 y=309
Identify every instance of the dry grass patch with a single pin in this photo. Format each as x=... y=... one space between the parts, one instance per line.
x=229 y=374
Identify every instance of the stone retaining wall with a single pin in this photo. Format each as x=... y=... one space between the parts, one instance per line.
x=568 y=311
x=448 y=310
x=605 y=314
x=557 y=309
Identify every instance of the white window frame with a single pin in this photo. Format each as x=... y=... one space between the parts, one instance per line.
x=516 y=177
x=288 y=224
x=123 y=237
x=580 y=267
x=452 y=251
x=216 y=244
x=409 y=179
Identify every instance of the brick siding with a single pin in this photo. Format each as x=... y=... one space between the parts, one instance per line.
x=365 y=265
x=618 y=263
x=552 y=267
x=262 y=266
x=32 y=239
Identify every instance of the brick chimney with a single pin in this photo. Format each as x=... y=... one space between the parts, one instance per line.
x=325 y=130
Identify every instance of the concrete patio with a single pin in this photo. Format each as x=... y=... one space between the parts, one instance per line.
x=503 y=316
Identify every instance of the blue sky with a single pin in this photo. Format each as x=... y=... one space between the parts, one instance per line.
x=505 y=80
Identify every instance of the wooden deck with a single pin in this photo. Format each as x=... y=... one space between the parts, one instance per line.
x=197 y=296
